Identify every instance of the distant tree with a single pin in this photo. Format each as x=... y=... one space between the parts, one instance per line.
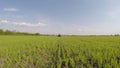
x=8 y=32
x=1 y=31
x=59 y=35
x=117 y=35
x=37 y=34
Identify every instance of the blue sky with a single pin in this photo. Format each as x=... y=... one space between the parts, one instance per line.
x=84 y=17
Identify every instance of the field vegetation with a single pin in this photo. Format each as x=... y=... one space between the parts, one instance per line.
x=59 y=52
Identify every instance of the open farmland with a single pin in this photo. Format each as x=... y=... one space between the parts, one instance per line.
x=59 y=52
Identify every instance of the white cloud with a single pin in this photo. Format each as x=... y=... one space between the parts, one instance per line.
x=3 y=21
x=10 y=9
x=25 y=24
x=80 y=29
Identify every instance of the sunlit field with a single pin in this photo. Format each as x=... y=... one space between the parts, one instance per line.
x=59 y=52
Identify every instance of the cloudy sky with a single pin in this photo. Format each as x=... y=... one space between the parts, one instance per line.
x=61 y=16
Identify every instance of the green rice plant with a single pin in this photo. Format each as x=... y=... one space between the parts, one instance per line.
x=59 y=52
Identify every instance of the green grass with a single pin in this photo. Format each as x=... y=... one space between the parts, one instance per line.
x=59 y=52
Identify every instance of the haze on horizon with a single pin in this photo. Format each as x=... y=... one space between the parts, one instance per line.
x=79 y=17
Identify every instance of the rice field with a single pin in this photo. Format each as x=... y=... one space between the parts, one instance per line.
x=59 y=52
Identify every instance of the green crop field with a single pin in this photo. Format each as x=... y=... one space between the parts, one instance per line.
x=59 y=52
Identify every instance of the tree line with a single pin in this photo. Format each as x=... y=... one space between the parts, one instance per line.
x=8 y=32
